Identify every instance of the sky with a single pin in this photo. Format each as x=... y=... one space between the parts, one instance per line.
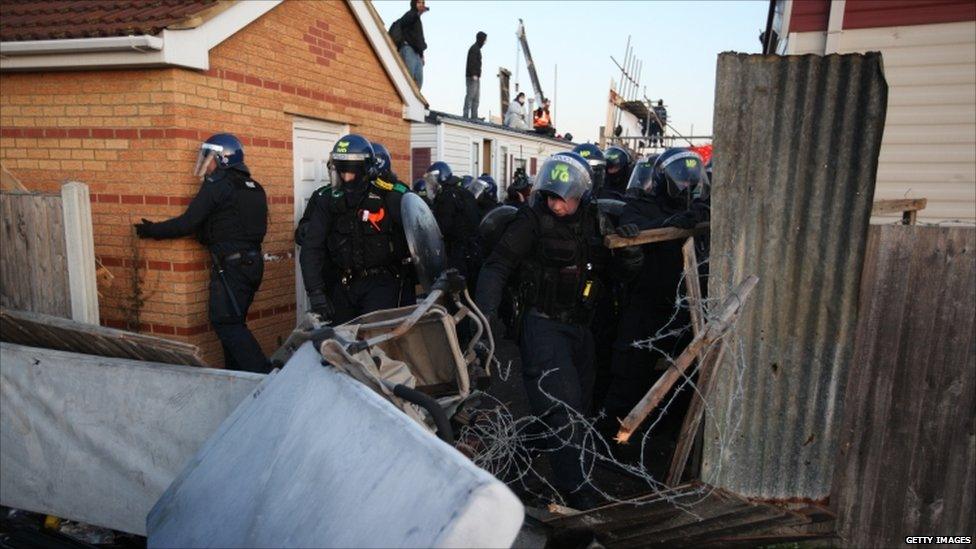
x=573 y=41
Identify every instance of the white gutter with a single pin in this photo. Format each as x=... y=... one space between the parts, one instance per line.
x=143 y=43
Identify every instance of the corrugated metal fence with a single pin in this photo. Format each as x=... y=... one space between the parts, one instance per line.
x=797 y=141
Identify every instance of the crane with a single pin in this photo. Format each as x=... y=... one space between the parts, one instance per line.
x=529 y=65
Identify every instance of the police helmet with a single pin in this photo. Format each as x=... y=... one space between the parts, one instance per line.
x=491 y=188
x=437 y=175
x=566 y=175
x=352 y=154
x=223 y=147
x=477 y=187
x=520 y=180
x=383 y=161
x=678 y=173
x=591 y=153
x=420 y=187
x=642 y=178
x=617 y=158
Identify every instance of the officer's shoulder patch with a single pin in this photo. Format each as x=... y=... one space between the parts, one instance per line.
x=385 y=185
x=323 y=189
x=400 y=188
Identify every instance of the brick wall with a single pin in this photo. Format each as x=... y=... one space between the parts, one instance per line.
x=132 y=135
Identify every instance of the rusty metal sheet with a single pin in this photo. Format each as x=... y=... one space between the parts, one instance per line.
x=906 y=459
x=797 y=141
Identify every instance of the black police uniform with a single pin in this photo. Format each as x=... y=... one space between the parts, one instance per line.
x=615 y=184
x=650 y=307
x=560 y=263
x=355 y=249
x=230 y=216
x=458 y=216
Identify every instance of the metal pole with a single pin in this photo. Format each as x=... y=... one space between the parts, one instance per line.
x=768 y=36
x=555 y=82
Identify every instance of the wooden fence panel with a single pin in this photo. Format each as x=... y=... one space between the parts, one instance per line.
x=33 y=254
x=905 y=464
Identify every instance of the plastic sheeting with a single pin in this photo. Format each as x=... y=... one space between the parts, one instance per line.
x=99 y=439
x=319 y=460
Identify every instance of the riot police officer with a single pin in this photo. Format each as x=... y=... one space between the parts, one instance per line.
x=555 y=248
x=485 y=192
x=618 y=170
x=229 y=215
x=456 y=211
x=594 y=157
x=355 y=250
x=671 y=191
x=519 y=190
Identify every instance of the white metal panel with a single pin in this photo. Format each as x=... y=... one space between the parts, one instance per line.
x=312 y=141
x=99 y=439
x=929 y=145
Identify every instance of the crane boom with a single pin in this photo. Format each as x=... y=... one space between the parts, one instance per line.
x=536 y=86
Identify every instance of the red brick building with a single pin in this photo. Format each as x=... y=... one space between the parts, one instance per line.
x=119 y=95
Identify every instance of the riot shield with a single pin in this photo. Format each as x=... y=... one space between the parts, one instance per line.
x=424 y=239
x=493 y=225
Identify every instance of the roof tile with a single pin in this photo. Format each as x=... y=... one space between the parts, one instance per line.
x=56 y=19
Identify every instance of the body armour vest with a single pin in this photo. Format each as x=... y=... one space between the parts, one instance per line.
x=561 y=274
x=242 y=212
x=363 y=234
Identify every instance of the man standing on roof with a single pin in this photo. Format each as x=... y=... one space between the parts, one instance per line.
x=410 y=40
x=659 y=121
x=472 y=77
x=229 y=215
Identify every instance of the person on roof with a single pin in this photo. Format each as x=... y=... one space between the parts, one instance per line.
x=472 y=77
x=542 y=120
x=515 y=116
x=408 y=35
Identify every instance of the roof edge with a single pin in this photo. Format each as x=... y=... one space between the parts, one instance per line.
x=440 y=117
x=369 y=20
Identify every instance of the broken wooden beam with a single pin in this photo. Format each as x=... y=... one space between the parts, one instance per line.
x=653 y=235
x=908 y=208
x=714 y=330
x=693 y=285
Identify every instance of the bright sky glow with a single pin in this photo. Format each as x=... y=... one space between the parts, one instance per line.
x=677 y=41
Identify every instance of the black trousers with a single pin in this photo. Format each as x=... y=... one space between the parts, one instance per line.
x=243 y=277
x=566 y=352
x=371 y=293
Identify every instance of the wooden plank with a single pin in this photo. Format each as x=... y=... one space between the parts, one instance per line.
x=653 y=235
x=17 y=278
x=889 y=207
x=906 y=460
x=39 y=330
x=713 y=332
x=693 y=418
x=693 y=286
x=9 y=182
x=80 y=252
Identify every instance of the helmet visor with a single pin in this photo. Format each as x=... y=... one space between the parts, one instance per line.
x=433 y=183
x=642 y=178
x=563 y=176
x=207 y=152
x=477 y=187
x=684 y=172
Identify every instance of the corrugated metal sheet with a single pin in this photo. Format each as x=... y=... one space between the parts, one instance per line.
x=797 y=141
x=906 y=458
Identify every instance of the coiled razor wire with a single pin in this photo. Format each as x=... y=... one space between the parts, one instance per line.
x=506 y=446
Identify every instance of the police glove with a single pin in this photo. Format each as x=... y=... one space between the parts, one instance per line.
x=629 y=230
x=143 y=229
x=320 y=305
x=684 y=220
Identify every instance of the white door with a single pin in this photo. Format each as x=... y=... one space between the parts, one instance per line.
x=312 y=142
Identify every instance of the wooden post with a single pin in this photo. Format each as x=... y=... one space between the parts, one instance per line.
x=689 y=428
x=693 y=285
x=80 y=249
x=714 y=330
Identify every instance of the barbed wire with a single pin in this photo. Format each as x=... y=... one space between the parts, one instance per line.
x=509 y=447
